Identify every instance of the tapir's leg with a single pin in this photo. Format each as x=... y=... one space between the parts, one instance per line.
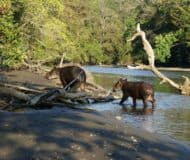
x=124 y=98
x=153 y=101
x=134 y=102
x=145 y=102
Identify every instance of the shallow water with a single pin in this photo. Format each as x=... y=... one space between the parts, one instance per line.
x=172 y=113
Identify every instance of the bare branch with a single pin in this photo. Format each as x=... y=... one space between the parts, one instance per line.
x=185 y=88
x=61 y=61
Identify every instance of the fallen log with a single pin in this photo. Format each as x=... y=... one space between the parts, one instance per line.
x=71 y=97
x=48 y=96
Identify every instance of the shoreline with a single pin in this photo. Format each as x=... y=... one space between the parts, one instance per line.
x=182 y=69
x=159 y=68
x=86 y=134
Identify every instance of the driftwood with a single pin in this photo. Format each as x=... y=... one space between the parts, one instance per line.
x=183 y=88
x=91 y=95
x=24 y=97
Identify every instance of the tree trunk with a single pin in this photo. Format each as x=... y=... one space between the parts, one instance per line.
x=184 y=89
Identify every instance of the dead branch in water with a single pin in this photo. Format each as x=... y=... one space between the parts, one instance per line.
x=183 y=88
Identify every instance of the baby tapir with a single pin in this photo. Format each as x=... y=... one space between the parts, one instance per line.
x=136 y=90
x=74 y=76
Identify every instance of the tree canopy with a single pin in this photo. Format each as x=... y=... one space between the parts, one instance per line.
x=93 y=31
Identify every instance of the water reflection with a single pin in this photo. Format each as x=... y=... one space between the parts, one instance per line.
x=141 y=117
x=137 y=111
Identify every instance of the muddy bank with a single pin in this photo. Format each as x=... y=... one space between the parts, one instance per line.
x=26 y=77
x=77 y=135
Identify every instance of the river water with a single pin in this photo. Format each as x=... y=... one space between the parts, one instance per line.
x=172 y=113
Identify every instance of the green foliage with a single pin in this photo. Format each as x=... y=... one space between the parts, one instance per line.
x=11 y=50
x=163 y=44
x=130 y=23
x=93 y=53
x=92 y=31
x=168 y=27
x=44 y=33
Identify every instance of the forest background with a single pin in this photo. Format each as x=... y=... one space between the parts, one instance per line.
x=93 y=31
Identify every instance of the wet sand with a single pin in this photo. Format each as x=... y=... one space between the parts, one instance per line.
x=74 y=135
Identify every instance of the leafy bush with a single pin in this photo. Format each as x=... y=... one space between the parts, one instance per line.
x=11 y=49
x=163 y=44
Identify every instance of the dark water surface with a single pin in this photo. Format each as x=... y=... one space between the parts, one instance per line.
x=172 y=113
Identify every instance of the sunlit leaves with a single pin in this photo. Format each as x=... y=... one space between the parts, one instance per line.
x=91 y=31
x=11 y=49
x=44 y=31
x=163 y=46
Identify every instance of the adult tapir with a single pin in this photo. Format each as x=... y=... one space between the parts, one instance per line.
x=136 y=90
x=72 y=76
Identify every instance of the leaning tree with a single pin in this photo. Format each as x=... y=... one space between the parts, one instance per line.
x=183 y=88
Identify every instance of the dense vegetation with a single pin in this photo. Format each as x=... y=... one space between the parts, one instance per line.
x=93 y=31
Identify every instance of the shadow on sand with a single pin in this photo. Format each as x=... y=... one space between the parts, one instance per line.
x=73 y=135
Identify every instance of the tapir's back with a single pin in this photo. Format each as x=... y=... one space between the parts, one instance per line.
x=138 y=89
x=70 y=73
